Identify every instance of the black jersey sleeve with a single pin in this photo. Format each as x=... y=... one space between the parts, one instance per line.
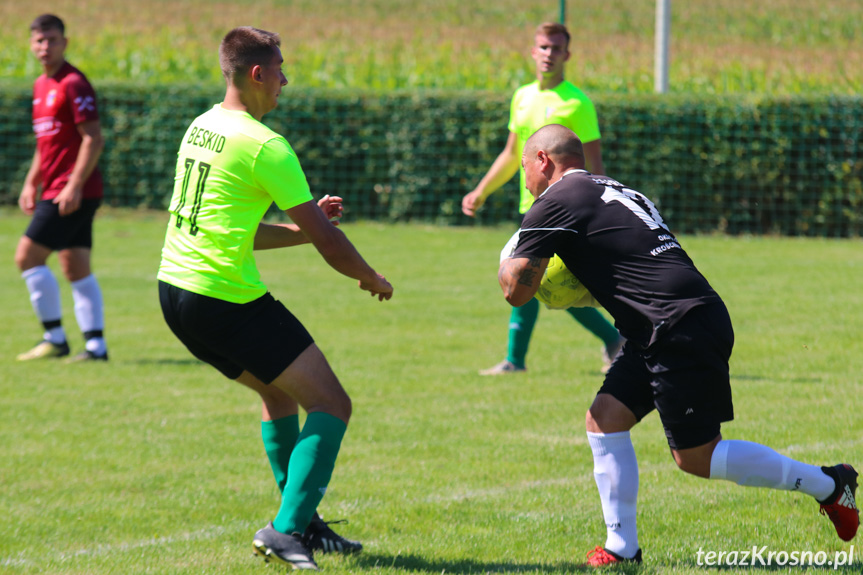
x=616 y=243
x=544 y=226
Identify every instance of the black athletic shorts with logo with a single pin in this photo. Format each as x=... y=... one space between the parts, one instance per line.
x=58 y=232
x=261 y=337
x=684 y=376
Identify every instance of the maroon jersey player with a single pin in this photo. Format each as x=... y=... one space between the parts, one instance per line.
x=62 y=191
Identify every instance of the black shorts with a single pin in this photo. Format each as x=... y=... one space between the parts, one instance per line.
x=261 y=337
x=684 y=376
x=58 y=232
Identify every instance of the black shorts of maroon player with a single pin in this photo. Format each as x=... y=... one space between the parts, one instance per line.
x=261 y=337
x=49 y=228
x=684 y=376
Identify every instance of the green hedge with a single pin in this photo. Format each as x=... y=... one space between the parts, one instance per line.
x=787 y=166
x=749 y=165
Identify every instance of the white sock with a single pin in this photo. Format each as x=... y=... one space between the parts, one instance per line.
x=615 y=470
x=88 y=304
x=755 y=465
x=97 y=345
x=45 y=298
x=89 y=311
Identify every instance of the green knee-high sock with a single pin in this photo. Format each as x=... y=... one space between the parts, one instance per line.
x=279 y=437
x=595 y=322
x=309 y=472
x=521 y=322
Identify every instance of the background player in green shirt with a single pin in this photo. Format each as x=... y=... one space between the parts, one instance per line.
x=548 y=100
x=230 y=169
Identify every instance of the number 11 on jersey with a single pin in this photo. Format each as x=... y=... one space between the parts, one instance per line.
x=203 y=172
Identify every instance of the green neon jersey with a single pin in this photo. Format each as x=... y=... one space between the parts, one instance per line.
x=532 y=108
x=230 y=169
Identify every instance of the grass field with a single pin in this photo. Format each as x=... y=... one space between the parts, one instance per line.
x=734 y=46
x=153 y=463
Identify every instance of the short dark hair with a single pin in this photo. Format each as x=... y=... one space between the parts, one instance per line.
x=47 y=22
x=552 y=28
x=245 y=47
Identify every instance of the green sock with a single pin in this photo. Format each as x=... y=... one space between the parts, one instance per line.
x=595 y=322
x=310 y=469
x=521 y=322
x=279 y=436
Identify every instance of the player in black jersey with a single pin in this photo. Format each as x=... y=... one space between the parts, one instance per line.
x=679 y=340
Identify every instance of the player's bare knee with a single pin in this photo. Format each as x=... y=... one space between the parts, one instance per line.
x=590 y=423
x=681 y=462
x=21 y=262
x=693 y=467
x=348 y=408
x=329 y=397
x=68 y=274
x=695 y=461
x=25 y=259
x=600 y=420
x=343 y=406
x=74 y=264
x=608 y=415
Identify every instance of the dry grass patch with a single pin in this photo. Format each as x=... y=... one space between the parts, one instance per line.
x=773 y=46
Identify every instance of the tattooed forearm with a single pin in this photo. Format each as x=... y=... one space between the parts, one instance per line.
x=526 y=277
x=529 y=273
x=504 y=274
x=517 y=274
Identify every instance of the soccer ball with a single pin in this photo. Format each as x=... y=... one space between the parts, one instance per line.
x=560 y=289
x=507 y=250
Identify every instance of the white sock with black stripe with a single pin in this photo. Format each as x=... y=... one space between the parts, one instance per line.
x=45 y=298
x=89 y=312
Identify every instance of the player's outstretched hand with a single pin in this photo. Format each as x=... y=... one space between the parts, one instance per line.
x=471 y=203
x=332 y=208
x=380 y=287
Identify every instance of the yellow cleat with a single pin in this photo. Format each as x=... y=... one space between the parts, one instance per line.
x=45 y=350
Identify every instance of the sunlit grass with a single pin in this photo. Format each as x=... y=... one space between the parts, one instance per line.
x=153 y=464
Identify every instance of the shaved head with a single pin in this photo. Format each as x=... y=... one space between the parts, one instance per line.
x=559 y=142
x=548 y=154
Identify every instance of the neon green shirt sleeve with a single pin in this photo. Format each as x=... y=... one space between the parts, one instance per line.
x=277 y=169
